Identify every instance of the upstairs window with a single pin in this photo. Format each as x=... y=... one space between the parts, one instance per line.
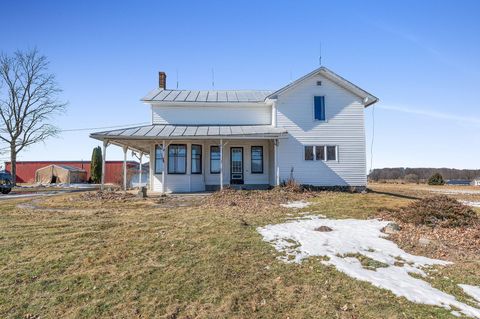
x=177 y=159
x=319 y=108
x=320 y=152
x=196 y=159
x=309 y=153
x=257 y=160
x=158 y=159
x=331 y=153
x=214 y=159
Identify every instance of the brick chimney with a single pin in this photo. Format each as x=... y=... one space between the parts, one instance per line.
x=162 y=80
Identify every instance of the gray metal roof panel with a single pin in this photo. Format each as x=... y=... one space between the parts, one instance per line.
x=213 y=130
x=192 y=96
x=190 y=131
x=151 y=95
x=144 y=130
x=179 y=131
x=201 y=131
x=202 y=96
x=182 y=96
x=167 y=131
x=155 y=130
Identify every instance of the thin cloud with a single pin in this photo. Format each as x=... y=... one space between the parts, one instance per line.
x=433 y=114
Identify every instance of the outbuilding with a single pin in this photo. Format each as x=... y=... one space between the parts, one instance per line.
x=56 y=174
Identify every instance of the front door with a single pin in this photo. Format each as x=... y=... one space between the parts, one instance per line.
x=236 y=165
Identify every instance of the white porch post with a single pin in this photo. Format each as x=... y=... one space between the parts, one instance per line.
x=104 y=155
x=125 y=149
x=275 y=162
x=163 y=169
x=140 y=173
x=221 y=164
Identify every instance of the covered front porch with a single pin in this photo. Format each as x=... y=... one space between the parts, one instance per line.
x=193 y=158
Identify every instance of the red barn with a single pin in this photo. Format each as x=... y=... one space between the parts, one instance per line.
x=113 y=169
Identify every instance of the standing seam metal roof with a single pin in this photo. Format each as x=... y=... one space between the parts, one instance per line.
x=176 y=131
x=231 y=96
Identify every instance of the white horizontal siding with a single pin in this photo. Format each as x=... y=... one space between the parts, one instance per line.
x=344 y=127
x=222 y=115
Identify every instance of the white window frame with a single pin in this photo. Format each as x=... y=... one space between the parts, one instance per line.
x=313 y=109
x=324 y=152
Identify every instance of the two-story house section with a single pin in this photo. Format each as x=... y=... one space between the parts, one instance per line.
x=312 y=130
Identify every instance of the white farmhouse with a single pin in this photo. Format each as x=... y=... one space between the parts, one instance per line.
x=311 y=130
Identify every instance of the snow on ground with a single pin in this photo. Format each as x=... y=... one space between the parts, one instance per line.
x=472 y=291
x=454 y=191
x=296 y=204
x=469 y=203
x=298 y=239
x=17 y=195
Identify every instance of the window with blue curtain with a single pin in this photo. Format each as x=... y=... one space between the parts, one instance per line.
x=196 y=159
x=177 y=159
x=214 y=159
x=257 y=160
x=319 y=106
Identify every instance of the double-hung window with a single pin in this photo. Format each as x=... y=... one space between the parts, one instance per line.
x=320 y=152
x=214 y=159
x=158 y=159
x=331 y=153
x=319 y=108
x=177 y=159
x=309 y=153
x=196 y=159
x=257 y=160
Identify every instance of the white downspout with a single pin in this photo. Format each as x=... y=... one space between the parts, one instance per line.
x=163 y=170
x=221 y=164
x=276 y=166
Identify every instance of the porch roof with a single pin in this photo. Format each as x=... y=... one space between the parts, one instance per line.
x=161 y=131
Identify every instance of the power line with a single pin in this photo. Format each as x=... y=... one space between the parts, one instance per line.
x=103 y=127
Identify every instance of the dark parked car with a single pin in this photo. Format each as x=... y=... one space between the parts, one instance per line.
x=5 y=182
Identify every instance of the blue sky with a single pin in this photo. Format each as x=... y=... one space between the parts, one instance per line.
x=421 y=58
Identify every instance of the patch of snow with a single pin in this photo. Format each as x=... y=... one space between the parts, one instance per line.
x=472 y=291
x=296 y=204
x=299 y=240
x=29 y=195
x=453 y=191
x=469 y=203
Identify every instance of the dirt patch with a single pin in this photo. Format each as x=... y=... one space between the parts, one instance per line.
x=106 y=196
x=252 y=200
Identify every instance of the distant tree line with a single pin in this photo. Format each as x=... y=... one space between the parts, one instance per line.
x=421 y=174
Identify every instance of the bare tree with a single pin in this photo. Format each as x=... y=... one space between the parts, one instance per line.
x=28 y=102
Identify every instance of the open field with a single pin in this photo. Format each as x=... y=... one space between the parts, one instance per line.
x=79 y=255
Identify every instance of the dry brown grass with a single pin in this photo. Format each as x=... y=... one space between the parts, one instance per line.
x=174 y=257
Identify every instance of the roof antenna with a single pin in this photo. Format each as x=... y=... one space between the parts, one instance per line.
x=177 y=78
x=320 y=54
x=213 y=78
x=290 y=75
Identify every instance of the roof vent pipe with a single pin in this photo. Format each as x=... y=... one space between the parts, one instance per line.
x=162 y=80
